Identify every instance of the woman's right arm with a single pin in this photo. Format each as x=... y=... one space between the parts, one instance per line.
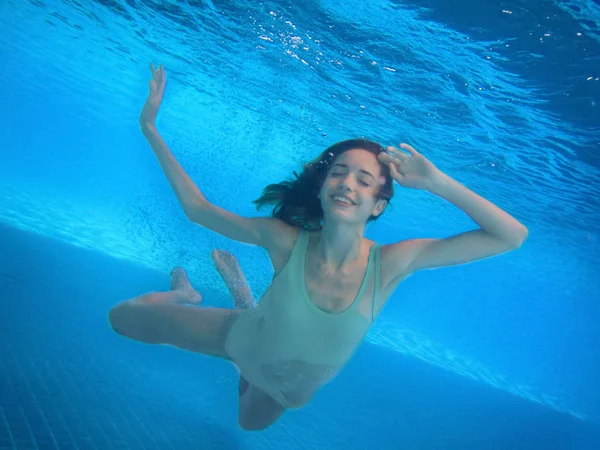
x=266 y=232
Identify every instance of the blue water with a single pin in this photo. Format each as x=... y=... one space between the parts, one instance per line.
x=503 y=96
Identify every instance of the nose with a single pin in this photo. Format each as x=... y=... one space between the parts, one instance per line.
x=345 y=185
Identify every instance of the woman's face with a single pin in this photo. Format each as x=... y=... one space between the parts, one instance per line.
x=350 y=189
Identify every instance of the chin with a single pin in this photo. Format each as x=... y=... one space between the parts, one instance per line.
x=341 y=217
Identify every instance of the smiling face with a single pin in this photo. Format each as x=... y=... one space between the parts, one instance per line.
x=349 y=192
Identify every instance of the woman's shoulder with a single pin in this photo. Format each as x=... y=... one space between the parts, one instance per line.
x=395 y=259
x=279 y=233
x=281 y=250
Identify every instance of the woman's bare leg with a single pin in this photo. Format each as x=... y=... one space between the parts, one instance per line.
x=257 y=410
x=170 y=318
x=228 y=267
x=181 y=292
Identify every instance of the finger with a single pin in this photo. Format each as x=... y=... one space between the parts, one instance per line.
x=393 y=151
x=386 y=158
x=409 y=149
x=390 y=162
x=152 y=68
x=394 y=172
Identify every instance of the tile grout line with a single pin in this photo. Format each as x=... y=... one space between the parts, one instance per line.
x=44 y=389
x=128 y=423
x=10 y=435
x=136 y=418
x=22 y=411
x=31 y=435
x=59 y=413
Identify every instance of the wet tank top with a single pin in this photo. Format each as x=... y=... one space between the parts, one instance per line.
x=289 y=347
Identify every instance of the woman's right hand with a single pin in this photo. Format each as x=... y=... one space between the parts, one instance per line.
x=155 y=95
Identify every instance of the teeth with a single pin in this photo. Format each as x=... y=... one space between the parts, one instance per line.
x=342 y=199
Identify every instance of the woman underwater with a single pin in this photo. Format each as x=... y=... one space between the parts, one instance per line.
x=330 y=282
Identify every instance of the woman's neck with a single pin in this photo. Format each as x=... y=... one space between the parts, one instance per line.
x=338 y=245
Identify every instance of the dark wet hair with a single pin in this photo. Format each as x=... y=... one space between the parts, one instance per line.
x=295 y=201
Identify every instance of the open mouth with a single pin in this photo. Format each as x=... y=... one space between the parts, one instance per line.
x=342 y=200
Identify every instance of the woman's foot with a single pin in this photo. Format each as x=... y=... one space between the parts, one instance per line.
x=181 y=284
x=231 y=272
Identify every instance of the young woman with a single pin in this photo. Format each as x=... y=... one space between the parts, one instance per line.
x=330 y=281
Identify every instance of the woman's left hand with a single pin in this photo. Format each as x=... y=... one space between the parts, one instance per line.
x=412 y=170
x=155 y=96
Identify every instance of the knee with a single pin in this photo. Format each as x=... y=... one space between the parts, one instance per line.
x=258 y=411
x=115 y=319
x=120 y=320
x=124 y=320
x=247 y=423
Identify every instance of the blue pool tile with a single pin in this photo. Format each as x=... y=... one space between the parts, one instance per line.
x=86 y=443
x=25 y=443
x=6 y=439
x=47 y=443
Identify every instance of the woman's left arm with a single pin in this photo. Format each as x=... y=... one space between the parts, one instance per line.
x=499 y=232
